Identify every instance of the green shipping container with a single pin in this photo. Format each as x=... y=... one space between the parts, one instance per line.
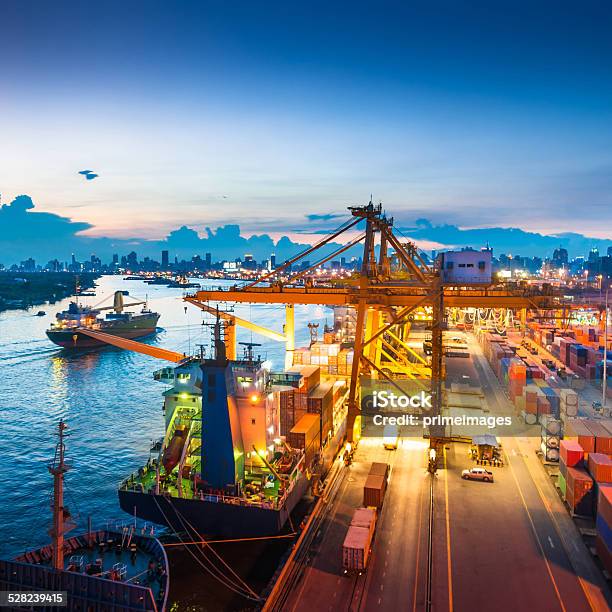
x=562 y=485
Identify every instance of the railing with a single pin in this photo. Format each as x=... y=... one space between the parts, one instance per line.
x=129 y=484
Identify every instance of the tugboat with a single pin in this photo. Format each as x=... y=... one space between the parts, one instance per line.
x=66 y=333
x=103 y=569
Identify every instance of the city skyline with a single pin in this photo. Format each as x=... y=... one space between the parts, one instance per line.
x=201 y=116
x=27 y=233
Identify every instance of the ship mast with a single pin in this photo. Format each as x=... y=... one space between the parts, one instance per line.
x=58 y=468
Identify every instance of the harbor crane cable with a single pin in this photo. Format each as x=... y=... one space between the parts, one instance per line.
x=240 y=580
x=231 y=586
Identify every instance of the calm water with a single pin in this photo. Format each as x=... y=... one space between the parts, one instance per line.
x=107 y=397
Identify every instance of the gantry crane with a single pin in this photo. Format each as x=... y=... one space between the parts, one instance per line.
x=384 y=296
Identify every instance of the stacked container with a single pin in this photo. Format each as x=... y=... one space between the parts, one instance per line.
x=571 y=455
x=321 y=402
x=579 y=493
x=306 y=435
x=603 y=439
x=575 y=429
x=551 y=436
x=603 y=525
x=568 y=403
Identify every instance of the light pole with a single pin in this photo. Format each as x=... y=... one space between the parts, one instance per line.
x=604 y=386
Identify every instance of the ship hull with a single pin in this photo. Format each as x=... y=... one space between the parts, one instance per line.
x=135 y=329
x=211 y=518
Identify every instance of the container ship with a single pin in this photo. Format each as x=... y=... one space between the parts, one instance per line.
x=66 y=330
x=242 y=445
x=124 y=570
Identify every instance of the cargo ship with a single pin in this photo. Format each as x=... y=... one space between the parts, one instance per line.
x=242 y=445
x=125 y=570
x=66 y=331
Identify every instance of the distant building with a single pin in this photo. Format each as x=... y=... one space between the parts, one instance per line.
x=560 y=257
x=208 y=260
x=132 y=260
x=165 y=262
x=273 y=261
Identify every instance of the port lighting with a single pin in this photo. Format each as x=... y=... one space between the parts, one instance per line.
x=254 y=398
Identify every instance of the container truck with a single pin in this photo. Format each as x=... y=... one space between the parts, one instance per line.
x=358 y=541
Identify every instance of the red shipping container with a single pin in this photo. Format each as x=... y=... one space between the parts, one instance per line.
x=575 y=429
x=604 y=503
x=579 y=491
x=543 y=405
x=603 y=440
x=571 y=453
x=374 y=490
x=600 y=467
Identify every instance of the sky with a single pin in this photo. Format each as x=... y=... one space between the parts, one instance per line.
x=271 y=115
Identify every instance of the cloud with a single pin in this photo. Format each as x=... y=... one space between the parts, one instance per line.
x=25 y=233
x=328 y=217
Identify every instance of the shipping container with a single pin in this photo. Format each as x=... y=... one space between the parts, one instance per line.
x=364 y=517
x=305 y=431
x=380 y=469
x=604 y=502
x=356 y=549
x=310 y=376
x=562 y=485
x=571 y=453
x=604 y=531
x=603 y=439
x=575 y=429
x=579 y=494
x=374 y=491
x=600 y=467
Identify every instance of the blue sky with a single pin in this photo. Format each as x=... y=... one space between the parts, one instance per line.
x=208 y=113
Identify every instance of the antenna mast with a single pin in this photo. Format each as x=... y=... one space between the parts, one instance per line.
x=58 y=468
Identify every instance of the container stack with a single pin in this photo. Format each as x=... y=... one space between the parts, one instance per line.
x=321 y=402
x=571 y=455
x=332 y=358
x=568 y=404
x=603 y=526
x=551 y=437
x=575 y=429
x=306 y=434
x=579 y=492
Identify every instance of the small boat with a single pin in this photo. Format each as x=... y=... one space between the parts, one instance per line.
x=41 y=313
x=106 y=569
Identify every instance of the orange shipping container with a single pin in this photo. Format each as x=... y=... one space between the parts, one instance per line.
x=600 y=467
x=603 y=439
x=575 y=429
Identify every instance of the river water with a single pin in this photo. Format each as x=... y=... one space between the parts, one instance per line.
x=108 y=398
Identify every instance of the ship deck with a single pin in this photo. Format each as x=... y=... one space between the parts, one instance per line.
x=271 y=492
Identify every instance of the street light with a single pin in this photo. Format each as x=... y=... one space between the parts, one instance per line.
x=604 y=386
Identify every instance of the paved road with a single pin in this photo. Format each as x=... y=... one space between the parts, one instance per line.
x=498 y=546
x=399 y=554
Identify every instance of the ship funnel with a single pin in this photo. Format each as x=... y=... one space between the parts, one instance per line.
x=118 y=302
